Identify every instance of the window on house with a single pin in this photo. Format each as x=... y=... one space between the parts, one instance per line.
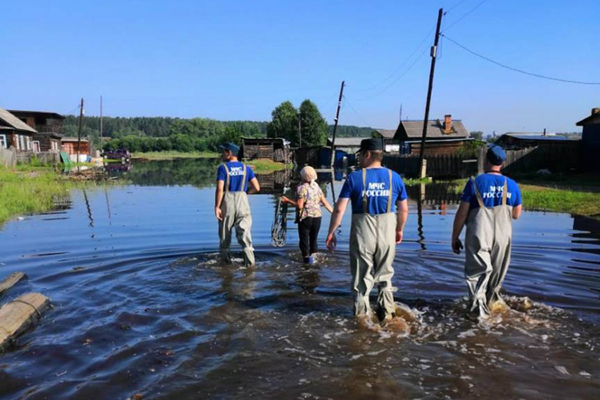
x=3 y=141
x=36 y=146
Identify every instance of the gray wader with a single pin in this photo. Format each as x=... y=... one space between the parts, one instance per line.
x=487 y=245
x=372 y=252
x=236 y=214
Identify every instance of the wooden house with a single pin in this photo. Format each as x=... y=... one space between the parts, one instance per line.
x=590 y=140
x=49 y=127
x=443 y=137
x=276 y=149
x=15 y=133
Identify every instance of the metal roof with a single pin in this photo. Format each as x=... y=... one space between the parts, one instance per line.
x=537 y=137
x=14 y=122
x=347 y=141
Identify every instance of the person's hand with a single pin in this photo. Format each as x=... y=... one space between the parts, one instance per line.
x=399 y=235
x=218 y=213
x=331 y=241
x=457 y=246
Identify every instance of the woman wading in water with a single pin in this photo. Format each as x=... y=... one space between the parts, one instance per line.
x=309 y=198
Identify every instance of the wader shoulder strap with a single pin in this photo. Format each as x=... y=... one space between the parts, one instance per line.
x=244 y=178
x=389 y=206
x=227 y=179
x=505 y=192
x=364 y=193
x=477 y=194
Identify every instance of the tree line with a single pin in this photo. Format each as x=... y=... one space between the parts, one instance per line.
x=303 y=126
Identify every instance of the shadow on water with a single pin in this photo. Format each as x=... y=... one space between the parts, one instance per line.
x=142 y=303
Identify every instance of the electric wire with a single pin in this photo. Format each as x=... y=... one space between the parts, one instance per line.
x=399 y=67
x=464 y=15
x=516 y=69
x=356 y=112
x=395 y=80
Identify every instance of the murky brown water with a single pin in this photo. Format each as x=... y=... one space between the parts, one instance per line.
x=141 y=305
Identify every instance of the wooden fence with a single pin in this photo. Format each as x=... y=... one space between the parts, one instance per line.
x=44 y=157
x=562 y=158
x=556 y=159
x=8 y=158
x=439 y=166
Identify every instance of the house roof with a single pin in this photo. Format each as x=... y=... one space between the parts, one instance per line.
x=10 y=121
x=435 y=129
x=46 y=114
x=347 y=141
x=592 y=119
x=386 y=133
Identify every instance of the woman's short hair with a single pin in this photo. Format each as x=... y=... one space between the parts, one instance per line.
x=308 y=174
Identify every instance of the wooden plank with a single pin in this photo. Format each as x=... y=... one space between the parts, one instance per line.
x=11 y=281
x=20 y=314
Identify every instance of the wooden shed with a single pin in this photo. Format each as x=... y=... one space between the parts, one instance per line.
x=590 y=140
x=69 y=145
x=276 y=149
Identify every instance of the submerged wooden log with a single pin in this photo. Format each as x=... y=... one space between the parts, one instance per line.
x=20 y=314
x=9 y=282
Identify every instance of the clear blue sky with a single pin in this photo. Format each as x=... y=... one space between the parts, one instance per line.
x=234 y=60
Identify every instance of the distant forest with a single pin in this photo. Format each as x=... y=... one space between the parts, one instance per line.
x=202 y=133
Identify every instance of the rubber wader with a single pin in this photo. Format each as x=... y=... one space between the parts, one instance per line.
x=372 y=252
x=487 y=247
x=236 y=214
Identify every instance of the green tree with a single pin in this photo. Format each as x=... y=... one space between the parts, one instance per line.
x=284 y=123
x=313 y=125
x=477 y=135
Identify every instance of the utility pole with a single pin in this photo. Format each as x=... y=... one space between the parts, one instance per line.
x=100 y=123
x=431 y=72
x=300 y=128
x=335 y=124
x=79 y=132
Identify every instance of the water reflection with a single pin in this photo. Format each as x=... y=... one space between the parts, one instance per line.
x=146 y=307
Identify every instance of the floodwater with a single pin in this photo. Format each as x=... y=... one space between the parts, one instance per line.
x=143 y=306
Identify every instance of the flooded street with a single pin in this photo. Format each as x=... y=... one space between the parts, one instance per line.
x=142 y=304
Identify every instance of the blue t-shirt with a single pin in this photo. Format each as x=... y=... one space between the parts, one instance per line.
x=378 y=190
x=490 y=187
x=236 y=172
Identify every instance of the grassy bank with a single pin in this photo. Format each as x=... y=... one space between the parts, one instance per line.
x=264 y=166
x=579 y=195
x=27 y=190
x=170 y=155
x=559 y=200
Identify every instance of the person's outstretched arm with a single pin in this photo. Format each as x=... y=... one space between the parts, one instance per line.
x=336 y=220
x=459 y=222
x=254 y=186
x=326 y=204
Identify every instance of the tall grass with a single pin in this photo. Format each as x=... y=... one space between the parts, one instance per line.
x=30 y=189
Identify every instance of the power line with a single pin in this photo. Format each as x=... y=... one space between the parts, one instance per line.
x=400 y=66
x=464 y=15
x=455 y=6
x=397 y=79
x=516 y=69
x=346 y=102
